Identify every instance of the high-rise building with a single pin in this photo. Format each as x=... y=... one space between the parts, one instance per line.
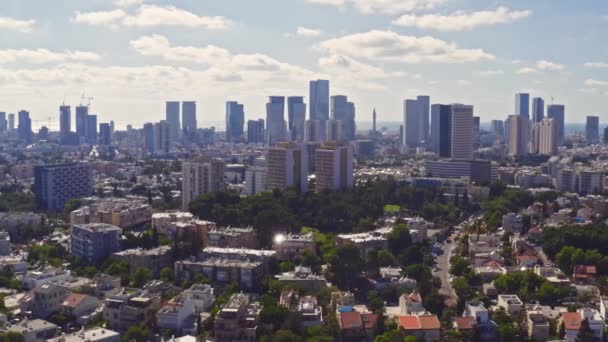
x=476 y=128
x=544 y=137
x=172 y=117
x=25 y=126
x=235 y=121
x=315 y=130
x=592 y=129
x=255 y=131
x=189 y=124
x=287 y=166
x=343 y=111
x=255 y=177
x=296 y=116
x=538 y=109
x=334 y=166
x=518 y=135
x=149 y=137
x=94 y=242
x=91 y=129
x=319 y=100
x=3 y=123
x=411 y=122
x=201 y=177
x=54 y=185
x=557 y=112
x=374 y=121
x=11 y=122
x=498 y=127
x=522 y=104
x=424 y=103
x=65 y=120
x=82 y=112
x=43 y=133
x=105 y=134
x=441 y=130
x=112 y=126
x=605 y=135
x=275 y=120
x=334 y=130
x=462 y=131
x=162 y=137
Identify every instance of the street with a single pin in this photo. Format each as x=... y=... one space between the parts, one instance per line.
x=443 y=263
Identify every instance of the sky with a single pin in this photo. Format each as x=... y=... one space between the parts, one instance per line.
x=130 y=56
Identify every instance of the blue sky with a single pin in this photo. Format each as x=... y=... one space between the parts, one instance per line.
x=132 y=55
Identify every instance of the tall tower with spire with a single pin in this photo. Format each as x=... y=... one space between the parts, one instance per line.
x=374 y=121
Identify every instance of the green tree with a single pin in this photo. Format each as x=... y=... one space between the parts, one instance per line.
x=346 y=265
x=399 y=238
x=137 y=333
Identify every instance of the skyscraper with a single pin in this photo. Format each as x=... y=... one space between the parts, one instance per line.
x=605 y=135
x=558 y=113
x=374 y=121
x=11 y=122
x=162 y=137
x=424 y=103
x=105 y=134
x=54 y=185
x=91 y=129
x=149 y=137
x=592 y=130
x=334 y=130
x=343 y=111
x=498 y=127
x=189 y=124
x=235 y=121
x=462 y=131
x=81 y=121
x=3 y=123
x=319 y=100
x=275 y=119
x=476 y=128
x=538 y=109
x=25 y=126
x=296 y=116
x=522 y=104
x=172 y=117
x=441 y=130
x=315 y=131
x=518 y=135
x=287 y=165
x=255 y=131
x=65 y=120
x=201 y=177
x=545 y=136
x=411 y=122
x=334 y=166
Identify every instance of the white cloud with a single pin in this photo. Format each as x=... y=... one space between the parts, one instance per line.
x=592 y=82
x=461 y=21
x=151 y=16
x=393 y=47
x=308 y=32
x=127 y=3
x=384 y=6
x=546 y=65
x=596 y=65
x=463 y=82
x=526 y=71
x=10 y=24
x=588 y=90
x=156 y=45
x=488 y=73
x=101 y=18
x=42 y=56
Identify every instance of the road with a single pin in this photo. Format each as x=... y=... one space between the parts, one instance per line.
x=443 y=263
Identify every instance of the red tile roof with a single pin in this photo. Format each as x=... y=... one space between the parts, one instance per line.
x=369 y=320
x=422 y=322
x=464 y=323
x=350 y=320
x=572 y=320
x=73 y=300
x=584 y=271
x=409 y=322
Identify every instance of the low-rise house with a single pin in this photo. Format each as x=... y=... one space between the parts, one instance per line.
x=342 y=299
x=393 y=277
x=424 y=327
x=486 y=328
x=14 y=263
x=291 y=246
x=237 y=320
x=303 y=278
x=90 y=335
x=356 y=324
x=232 y=237
x=46 y=299
x=572 y=322
x=553 y=275
x=311 y=313
x=368 y=241
x=537 y=325
x=511 y=303
x=5 y=243
x=202 y=297
x=465 y=325
x=513 y=223
x=34 y=330
x=101 y=284
x=79 y=306
x=411 y=303
x=162 y=221
x=584 y=274
x=178 y=316
x=128 y=307
x=154 y=259
x=33 y=279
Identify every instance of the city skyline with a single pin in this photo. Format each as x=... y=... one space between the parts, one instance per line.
x=132 y=56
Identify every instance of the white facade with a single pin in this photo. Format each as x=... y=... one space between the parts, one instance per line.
x=201 y=178
x=462 y=131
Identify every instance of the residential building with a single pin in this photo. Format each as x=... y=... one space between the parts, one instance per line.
x=47 y=299
x=367 y=241
x=287 y=167
x=319 y=100
x=94 y=242
x=511 y=303
x=232 y=237
x=89 y=335
x=162 y=136
x=121 y=212
x=572 y=321
x=411 y=304
x=302 y=278
x=537 y=324
x=91 y=129
x=589 y=181
x=356 y=323
x=333 y=130
x=79 y=306
x=201 y=177
x=275 y=120
x=5 y=243
x=424 y=327
x=592 y=130
x=487 y=329
x=178 y=315
x=558 y=113
x=162 y=221
x=256 y=177
x=54 y=185
x=34 y=330
x=292 y=246
x=128 y=307
x=235 y=120
x=154 y=259
x=237 y=320
x=334 y=167
x=202 y=297
x=544 y=137
x=519 y=137
x=35 y=278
